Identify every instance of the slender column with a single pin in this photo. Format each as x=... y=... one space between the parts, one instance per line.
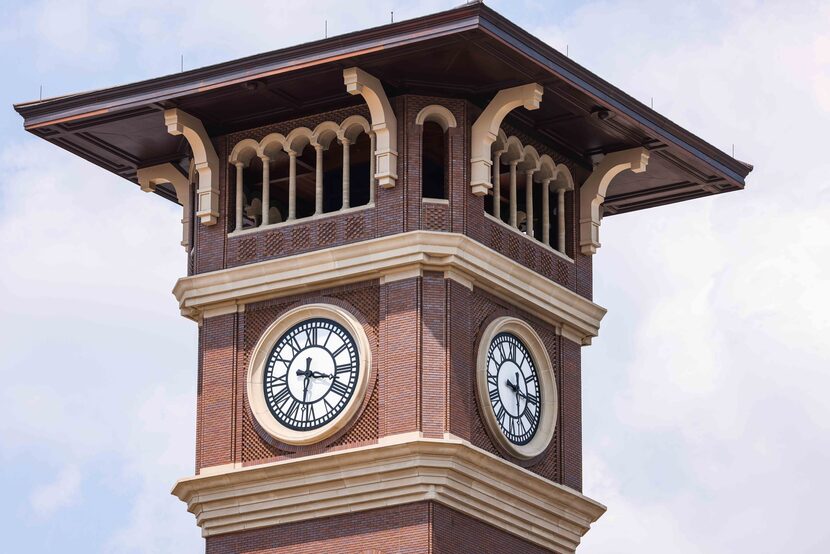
x=266 y=189
x=513 y=216
x=371 y=167
x=318 y=180
x=546 y=211
x=497 y=185
x=560 y=215
x=346 y=172
x=292 y=186
x=239 y=167
x=529 y=201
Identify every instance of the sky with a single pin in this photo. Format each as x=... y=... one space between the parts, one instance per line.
x=706 y=420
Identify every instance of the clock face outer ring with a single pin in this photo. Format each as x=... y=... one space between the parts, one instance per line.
x=547 y=384
x=259 y=359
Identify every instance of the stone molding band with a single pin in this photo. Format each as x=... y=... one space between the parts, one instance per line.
x=399 y=470
x=458 y=256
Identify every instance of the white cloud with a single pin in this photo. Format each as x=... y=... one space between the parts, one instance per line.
x=705 y=411
x=713 y=358
x=64 y=491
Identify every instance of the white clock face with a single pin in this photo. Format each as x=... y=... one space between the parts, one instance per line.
x=513 y=388
x=311 y=374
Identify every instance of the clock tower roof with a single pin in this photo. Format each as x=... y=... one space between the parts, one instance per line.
x=468 y=52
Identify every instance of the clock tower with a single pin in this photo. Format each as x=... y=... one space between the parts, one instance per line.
x=389 y=238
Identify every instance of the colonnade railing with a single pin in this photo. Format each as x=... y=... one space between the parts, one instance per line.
x=537 y=170
x=293 y=144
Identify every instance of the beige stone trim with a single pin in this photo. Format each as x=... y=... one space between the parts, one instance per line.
x=150 y=177
x=205 y=158
x=449 y=471
x=256 y=369
x=223 y=309
x=403 y=274
x=306 y=219
x=372 y=259
x=593 y=191
x=486 y=128
x=384 y=123
x=442 y=201
x=458 y=278
x=547 y=385
x=437 y=114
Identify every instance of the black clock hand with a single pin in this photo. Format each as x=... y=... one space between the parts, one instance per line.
x=307 y=374
x=318 y=375
x=515 y=389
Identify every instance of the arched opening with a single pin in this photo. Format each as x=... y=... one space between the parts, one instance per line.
x=306 y=160
x=359 y=155
x=333 y=177
x=434 y=167
x=252 y=194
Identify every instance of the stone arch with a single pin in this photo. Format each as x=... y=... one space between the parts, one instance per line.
x=324 y=133
x=243 y=152
x=298 y=139
x=352 y=126
x=437 y=114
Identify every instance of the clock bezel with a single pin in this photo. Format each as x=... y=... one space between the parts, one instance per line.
x=549 y=408
x=262 y=351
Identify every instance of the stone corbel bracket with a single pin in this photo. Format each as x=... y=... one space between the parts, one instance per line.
x=486 y=129
x=593 y=191
x=205 y=159
x=384 y=123
x=150 y=177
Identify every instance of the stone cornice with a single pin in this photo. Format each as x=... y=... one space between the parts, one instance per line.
x=399 y=470
x=460 y=257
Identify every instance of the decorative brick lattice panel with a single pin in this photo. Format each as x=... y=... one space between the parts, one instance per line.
x=547 y=264
x=300 y=238
x=354 y=227
x=327 y=233
x=435 y=216
x=514 y=248
x=498 y=239
x=247 y=249
x=253 y=447
x=562 y=272
x=366 y=428
x=272 y=244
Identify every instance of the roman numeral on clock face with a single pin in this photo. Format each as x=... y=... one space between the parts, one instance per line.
x=339 y=388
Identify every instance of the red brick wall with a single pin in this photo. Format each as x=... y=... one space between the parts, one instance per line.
x=457 y=533
x=399 y=529
x=418 y=528
x=216 y=410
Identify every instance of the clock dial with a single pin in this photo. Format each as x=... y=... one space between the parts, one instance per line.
x=311 y=374
x=513 y=388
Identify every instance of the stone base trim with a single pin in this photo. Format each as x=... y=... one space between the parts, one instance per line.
x=458 y=256
x=449 y=471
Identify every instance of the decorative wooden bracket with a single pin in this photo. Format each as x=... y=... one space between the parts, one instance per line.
x=384 y=123
x=205 y=158
x=593 y=191
x=486 y=130
x=150 y=177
